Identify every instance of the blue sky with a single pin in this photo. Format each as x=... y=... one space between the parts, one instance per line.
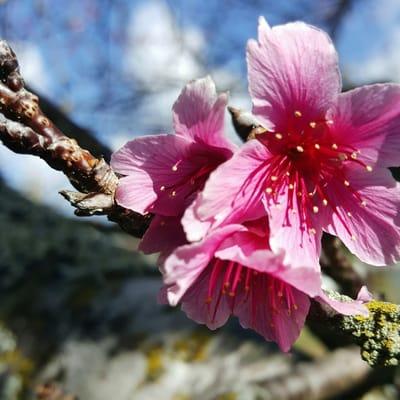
x=117 y=66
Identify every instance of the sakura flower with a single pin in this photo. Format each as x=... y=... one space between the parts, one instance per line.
x=232 y=271
x=321 y=164
x=163 y=173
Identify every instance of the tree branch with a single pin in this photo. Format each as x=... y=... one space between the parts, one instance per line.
x=26 y=130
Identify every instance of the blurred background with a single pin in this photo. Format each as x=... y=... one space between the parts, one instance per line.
x=77 y=303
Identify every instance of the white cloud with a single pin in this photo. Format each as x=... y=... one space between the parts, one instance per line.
x=158 y=53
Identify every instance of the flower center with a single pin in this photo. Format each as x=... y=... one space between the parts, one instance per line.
x=306 y=160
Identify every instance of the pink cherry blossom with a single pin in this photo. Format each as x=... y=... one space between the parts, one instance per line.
x=163 y=173
x=321 y=164
x=232 y=271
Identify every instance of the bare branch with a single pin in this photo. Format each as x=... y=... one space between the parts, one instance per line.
x=26 y=130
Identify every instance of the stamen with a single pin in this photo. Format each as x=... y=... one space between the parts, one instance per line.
x=313 y=124
x=312 y=231
x=315 y=209
x=173 y=193
x=346 y=183
x=349 y=214
x=354 y=155
x=274 y=178
x=364 y=203
x=269 y=190
x=174 y=168
x=162 y=188
x=278 y=136
x=334 y=146
x=325 y=202
x=369 y=168
x=317 y=146
x=329 y=122
x=300 y=149
x=297 y=114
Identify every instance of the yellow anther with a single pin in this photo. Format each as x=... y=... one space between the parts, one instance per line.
x=334 y=146
x=346 y=183
x=274 y=178
x=175 y=168
x=300 y=149
x=278 y=136
x=312 y=231
x=297 y=114
x=291 y=186
x=287 y=173
x=369 y=168
x=317 y=146
x=268 y=190
x=325 y=202
x=354 y=155
x=315 y=209
x=329 y=122
x=364 y=203
x=162 y=188
x=173 y=193
x=313 y=124
x=349 y=214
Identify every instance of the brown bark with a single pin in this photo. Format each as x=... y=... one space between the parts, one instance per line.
x=26 y=130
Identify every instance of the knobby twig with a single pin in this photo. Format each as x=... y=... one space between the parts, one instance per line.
x=26 y=130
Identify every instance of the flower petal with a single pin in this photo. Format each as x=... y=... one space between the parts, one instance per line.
x=198 y=114
x=368 y=118
x=163 y=235
x=186 y=263
x=128 y=195
x=371 y=231
x=351 y=307
x=292 y=67
x=167 y=162
x=269 y=313
x=302 y=246
x=194 y=303
x=234 y=190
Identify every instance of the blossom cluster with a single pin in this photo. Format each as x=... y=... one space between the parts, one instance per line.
x=238 y=229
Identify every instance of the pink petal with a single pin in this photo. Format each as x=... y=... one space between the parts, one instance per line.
x=351 y=307
x=163 y=235
x=267 y=312
x=186 y=263
x=160 y=168
x=194 y=304
x=302 y=246
x=372 y=231
x=194 y=228
x=368 y=118
x=292 y=67
x=251 y=251
x=128 y=195
x=235 y=189
x=364 y=295
x=198 y=114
